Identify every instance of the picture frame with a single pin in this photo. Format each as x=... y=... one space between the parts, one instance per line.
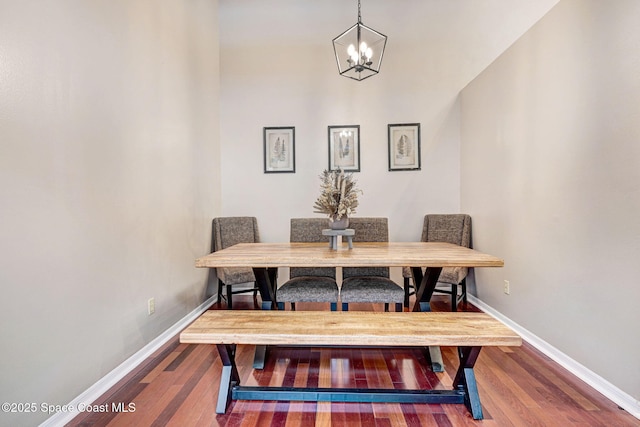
x=344 y=148
x=404 y=146
x=279 y=149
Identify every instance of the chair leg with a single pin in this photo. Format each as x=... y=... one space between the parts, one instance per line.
x=293 y=306
x=464 y=289
x=255 y=291
x=386 y=307
x=220 y=295
x=454 y=297
x=229 y=297
x=334 y=306
x=345 y=306
x=407 y=286
x=399 y=307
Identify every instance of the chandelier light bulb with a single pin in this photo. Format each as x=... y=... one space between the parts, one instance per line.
x=369 y=53
x=363 y=47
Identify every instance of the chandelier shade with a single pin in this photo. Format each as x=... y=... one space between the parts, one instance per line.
x=359 y=51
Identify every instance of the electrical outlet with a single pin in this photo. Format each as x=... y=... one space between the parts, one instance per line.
x=506 y=287
x=151 y=306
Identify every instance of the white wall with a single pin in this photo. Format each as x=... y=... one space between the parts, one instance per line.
x=550 y=174
x=269 y=81
x=108 y=179
x=278 y=69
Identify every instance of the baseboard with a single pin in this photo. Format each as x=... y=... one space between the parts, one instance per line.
x=105 y=383
x=613 y=393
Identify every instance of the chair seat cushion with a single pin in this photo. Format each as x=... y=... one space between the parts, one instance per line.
x=308 y=289
x=371 y=289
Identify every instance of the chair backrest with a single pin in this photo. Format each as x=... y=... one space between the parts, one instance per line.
x=228 y=231
x=448 y=228
x=309 y=230
x=368 y=230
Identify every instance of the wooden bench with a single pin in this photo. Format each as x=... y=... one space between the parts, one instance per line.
x=468 y=331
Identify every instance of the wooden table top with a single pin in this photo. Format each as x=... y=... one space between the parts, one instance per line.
x=262 y=327
x=392 y=254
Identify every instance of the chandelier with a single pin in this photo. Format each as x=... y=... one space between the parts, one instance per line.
x=359 y=50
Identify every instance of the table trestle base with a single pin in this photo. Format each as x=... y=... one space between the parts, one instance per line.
x=260 y=356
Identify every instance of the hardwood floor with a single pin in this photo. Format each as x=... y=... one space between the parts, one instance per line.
x=178 y=386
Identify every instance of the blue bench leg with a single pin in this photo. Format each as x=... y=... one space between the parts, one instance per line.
x=465 y=380
x=472 y=398
x=229 y=377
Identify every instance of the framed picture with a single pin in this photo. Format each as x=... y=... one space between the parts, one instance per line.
x=404 y=147
x=280 y=150
x=344 y=148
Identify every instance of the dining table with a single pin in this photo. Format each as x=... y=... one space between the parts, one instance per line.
x=426 y=260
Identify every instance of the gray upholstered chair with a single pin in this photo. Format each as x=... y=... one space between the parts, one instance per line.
x=370 y=284
x=309 y=284
x=449 y=228
x=228 y=231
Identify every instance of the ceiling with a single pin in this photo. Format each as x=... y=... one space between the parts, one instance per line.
x=462 y=37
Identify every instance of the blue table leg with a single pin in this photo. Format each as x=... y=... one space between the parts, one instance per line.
x=267 y=283
x=260 y=357
x=266 y=279
x=425 y=285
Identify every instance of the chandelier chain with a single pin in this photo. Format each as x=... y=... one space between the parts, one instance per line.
x=359 y=16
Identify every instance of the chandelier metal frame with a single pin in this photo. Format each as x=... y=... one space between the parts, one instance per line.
x=359 y=50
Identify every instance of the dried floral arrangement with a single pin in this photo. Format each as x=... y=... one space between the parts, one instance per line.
x=338 y=196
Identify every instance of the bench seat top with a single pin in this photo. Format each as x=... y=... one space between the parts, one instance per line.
x=266 y=327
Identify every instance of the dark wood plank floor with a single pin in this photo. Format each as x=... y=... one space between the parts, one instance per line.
x=178 y=386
